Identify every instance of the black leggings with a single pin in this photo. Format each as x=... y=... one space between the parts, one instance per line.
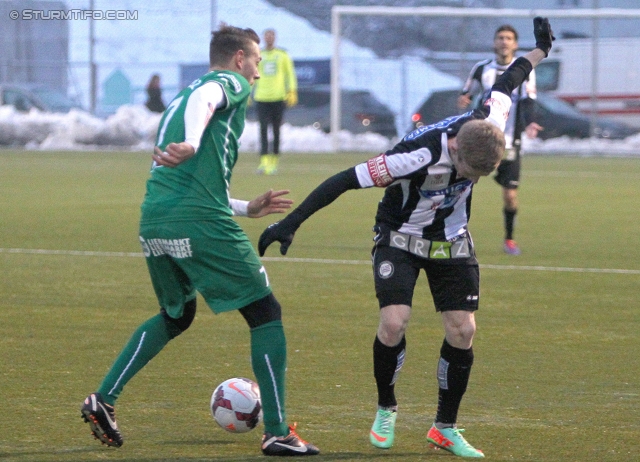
x=262 y=311
x=270 y=114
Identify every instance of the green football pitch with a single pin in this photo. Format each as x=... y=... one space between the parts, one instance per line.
x=556 y=377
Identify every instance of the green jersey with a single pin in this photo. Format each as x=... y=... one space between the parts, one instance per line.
x=198 y=189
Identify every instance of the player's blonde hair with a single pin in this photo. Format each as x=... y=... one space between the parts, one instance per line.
x=480 y=145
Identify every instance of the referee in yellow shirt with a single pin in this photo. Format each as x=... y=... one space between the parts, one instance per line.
x=276 y=89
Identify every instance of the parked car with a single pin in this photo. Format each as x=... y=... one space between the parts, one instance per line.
x=558 y=117
x=361 y=112
x=437 y=106
x=24 y=97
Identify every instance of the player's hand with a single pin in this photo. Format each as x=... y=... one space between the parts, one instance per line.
x=280 y=231
x=532 y=130
x=464 y=101
x=173 y=155
x=292 y=98
x=267 y=203
x=543 y=34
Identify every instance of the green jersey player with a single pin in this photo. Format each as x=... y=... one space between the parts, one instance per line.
x=192 y=243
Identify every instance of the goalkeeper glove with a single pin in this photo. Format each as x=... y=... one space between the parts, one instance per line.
x=292 y=98
x=543 y=34
x=281 y=231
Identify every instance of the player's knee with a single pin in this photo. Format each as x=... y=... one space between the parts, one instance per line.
x=460 y=336
x=394 y=320
x=262 y=311
x=467 y=331
x=511 y=200
x=390 y=334
x=183 y=322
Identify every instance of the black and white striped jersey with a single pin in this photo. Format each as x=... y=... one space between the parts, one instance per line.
x=482 y=77
x=424 y=195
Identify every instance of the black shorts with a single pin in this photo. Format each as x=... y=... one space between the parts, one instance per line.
x=508 y=173
x=454 y=283
x=270 y=112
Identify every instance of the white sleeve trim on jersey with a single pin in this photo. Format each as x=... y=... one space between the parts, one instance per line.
x=382 y=170
x=471 y=83
x=530 y=85
x=240 y=208
x=499 y=106
x=201 y=105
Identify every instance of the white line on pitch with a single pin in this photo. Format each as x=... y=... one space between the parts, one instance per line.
x=88 y=253
x=81 y=253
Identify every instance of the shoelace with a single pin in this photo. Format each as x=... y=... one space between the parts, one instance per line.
x=292 y=431
x=458 y=432
x=385 y=420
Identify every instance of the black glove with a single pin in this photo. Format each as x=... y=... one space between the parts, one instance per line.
x=543 y=33
x=281 y=231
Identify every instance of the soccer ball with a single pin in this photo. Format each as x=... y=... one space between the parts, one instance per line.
x=236 y=405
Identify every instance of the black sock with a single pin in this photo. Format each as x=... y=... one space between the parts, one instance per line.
x=454 y=368
x=387 y=362
x=509 y=219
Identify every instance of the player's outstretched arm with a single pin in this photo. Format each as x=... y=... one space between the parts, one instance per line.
x=521 y=67
x=544 y=40
x=268 y=203
x=283 y=231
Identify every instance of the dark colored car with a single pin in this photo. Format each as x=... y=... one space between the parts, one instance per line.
x=24 y=97
x=361 y=112
x=438 y=106
x=558 y=117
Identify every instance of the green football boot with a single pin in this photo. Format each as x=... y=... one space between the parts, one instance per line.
x=450 y=439
x=382 y=431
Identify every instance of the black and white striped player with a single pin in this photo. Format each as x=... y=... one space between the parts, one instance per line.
x=421 y=223
x=481 y=78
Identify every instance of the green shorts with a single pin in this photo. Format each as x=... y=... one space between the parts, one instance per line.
x=215 y=259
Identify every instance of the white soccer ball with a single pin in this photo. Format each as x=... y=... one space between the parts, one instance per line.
x=236 y=405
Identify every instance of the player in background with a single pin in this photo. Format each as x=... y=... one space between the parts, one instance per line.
x=276 y=89
x=192 y=243
x=422 y=223
x=482 y=77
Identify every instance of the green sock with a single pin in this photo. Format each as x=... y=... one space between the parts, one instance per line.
x=146 y=342
x=269 y=361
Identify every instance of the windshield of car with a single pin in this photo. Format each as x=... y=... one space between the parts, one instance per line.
x=313 y=98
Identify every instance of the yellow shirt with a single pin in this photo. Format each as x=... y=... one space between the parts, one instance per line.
x=277 y=76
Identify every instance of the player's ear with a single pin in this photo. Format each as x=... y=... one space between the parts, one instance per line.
x=238 y=59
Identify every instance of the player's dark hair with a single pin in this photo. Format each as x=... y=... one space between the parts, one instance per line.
x=481 y=145
x=508 y=28
x=227 y=40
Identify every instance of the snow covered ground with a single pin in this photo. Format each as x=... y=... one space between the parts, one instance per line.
x=134 y=128
x=136 y=49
